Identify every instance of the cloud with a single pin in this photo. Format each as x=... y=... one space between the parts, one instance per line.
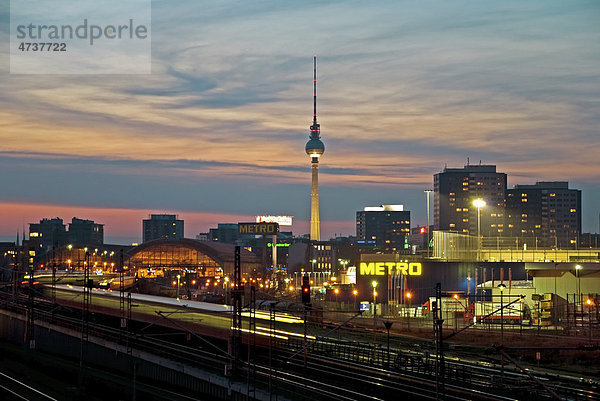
x=402 y=91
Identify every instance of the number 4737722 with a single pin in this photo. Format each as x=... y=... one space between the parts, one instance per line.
x=43 y=46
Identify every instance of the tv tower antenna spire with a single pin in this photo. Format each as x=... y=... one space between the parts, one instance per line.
x=315 y=89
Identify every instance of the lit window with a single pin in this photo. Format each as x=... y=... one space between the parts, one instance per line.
x=452 y=225
x=458 y=209
x=524 y=200
x=552 y=195
x=465 y=220
x=465 y=209
x=573 y=210
x=538 y=226
x=524 y=215
x=523 y=195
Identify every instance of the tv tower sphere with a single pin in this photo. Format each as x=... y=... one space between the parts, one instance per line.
x=314 y=147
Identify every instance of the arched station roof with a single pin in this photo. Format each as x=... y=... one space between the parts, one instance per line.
x=222 y=255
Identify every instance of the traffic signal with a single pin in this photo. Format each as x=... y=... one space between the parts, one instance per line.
x=305 y=290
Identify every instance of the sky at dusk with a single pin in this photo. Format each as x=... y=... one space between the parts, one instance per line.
x=216 y=132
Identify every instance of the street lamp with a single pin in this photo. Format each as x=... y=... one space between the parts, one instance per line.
x=408 y=297
x=479 y=203
x=178 y=281
x=577 y=268
x=374 y=284
x=343 y=263
x=501 y=286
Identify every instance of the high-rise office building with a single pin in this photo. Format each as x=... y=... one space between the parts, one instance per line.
x=226 y=233
x=386 y=226
x=455 y=189
x=162 y=226
x=85 y=232
x=548 y=212
x=315 y=148
x=48 y=233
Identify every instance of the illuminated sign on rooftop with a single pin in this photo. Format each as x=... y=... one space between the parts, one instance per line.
x=383 y=268
x=258 y=228
x=281 y=220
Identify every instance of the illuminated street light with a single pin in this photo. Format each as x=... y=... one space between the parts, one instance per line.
x=501 y=286
x=374 y=284
x=479 y=203
x=577 y=268
x=178 y=278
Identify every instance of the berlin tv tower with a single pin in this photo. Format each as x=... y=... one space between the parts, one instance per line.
x=315 y=148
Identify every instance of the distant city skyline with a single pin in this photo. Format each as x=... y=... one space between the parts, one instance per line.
x=216 y=132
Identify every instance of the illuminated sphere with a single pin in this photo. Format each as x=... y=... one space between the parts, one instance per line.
x=315 y=147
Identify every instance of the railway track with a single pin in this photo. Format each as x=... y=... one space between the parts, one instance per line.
x=338 y=369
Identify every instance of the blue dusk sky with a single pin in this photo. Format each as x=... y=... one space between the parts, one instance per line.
x=216 y=132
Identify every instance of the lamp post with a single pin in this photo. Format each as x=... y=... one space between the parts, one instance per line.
x=312 y=263
x=427 y=192
x=408 y=297
x=589 y=303
x=577 y=268
x=374 y=284
x=479 y=203
x=178 y=281
x=502 y=287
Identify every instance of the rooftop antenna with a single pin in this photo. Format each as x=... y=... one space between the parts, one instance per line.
x=467 y=161
x=315 y=89
x=315 y=129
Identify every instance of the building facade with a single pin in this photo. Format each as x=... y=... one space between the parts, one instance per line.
x=455 y=189
x=85 y=232
x=162 y=226
x=48 y=233
x=548 y=212
x=387 y=225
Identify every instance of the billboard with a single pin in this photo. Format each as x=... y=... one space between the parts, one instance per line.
x=258 y=228
x=281 y=220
